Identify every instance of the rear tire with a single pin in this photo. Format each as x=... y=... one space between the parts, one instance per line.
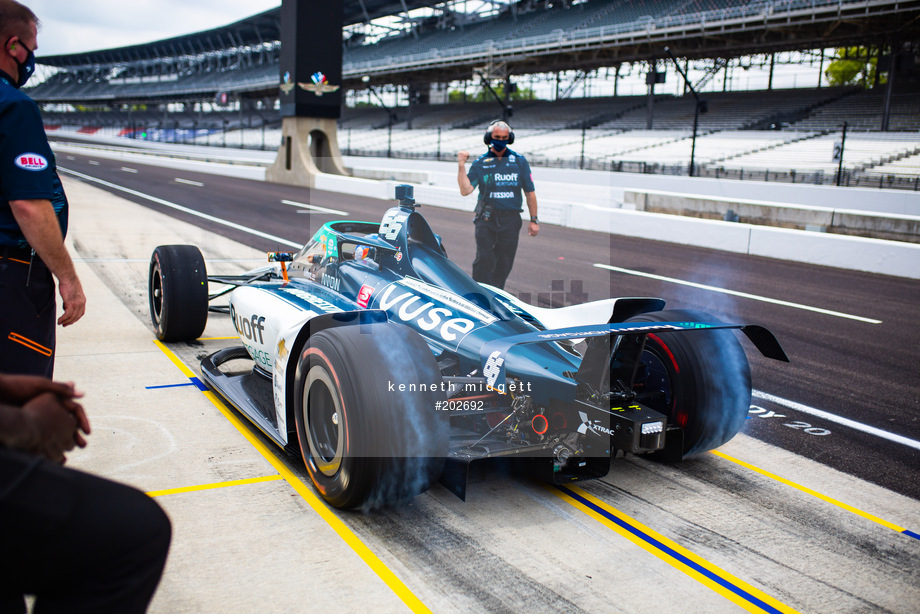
x=177 y=289
x=703 y=378
x=363 y=444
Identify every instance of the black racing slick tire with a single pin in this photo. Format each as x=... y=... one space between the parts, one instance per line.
x=177 y=290
x=700 y=379
x=366 y=407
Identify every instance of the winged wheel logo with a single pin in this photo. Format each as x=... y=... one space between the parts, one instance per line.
x=319 y=86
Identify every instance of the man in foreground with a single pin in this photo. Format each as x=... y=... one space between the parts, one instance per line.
x=33 y=213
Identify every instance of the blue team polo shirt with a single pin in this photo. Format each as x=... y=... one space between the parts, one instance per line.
x=501 y=180
x=27 y=167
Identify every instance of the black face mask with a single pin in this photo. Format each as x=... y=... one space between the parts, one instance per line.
x=26 y=68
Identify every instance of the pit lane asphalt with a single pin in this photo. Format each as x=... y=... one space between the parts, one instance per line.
x=704 y=536
x=865 y=372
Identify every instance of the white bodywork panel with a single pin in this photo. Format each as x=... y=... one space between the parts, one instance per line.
x=595 y=312
x=267 y=322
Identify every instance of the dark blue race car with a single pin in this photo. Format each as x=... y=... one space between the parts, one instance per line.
x=388 y=368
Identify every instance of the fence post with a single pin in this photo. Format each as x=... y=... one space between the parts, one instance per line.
x=843 y=138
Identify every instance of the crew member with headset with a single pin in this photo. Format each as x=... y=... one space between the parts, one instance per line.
x=501 y=174
x=33 y=213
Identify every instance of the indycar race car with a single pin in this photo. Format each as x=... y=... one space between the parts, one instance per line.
x=387 y=367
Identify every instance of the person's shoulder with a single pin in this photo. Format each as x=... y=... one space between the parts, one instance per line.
x=8 y=93
x=516 y=158
x=483 y=158
x=12 y=98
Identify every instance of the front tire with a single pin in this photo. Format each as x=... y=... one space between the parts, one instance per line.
x=177 y=290
x=702 y=379
x=364 y=442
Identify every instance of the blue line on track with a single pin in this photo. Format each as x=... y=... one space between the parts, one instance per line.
x=911 y=533
x=672 y=553
x=169 y=386
x=194 y=381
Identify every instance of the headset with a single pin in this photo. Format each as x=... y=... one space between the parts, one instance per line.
x=487 y=137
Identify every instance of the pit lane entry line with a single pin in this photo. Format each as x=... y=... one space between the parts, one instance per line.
x=814 y=493
x=172 y=205
x=348 y=536
x=754 y=297
x=737 y=591
x=184 y=489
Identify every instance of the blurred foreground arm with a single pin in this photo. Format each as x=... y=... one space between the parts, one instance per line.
x=40 y=416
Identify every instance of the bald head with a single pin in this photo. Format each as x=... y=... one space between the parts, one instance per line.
x=16 y=20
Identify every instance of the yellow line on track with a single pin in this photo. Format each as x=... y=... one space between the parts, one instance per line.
x=811 y=492
x=183 y=489
x=348 y=536
x=735 y=590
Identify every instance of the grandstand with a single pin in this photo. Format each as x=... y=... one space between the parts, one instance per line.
x=220 y=87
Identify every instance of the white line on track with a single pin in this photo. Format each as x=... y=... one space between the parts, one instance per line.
x=94 y=163
x=754 y=297
x=203 y=216
x=131 y=260
x=188 y=182
x=865 y=428
x=818 y=413
x=315 y=208
x=128 y=170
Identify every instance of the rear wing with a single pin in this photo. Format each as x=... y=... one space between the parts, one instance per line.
x=494 y=353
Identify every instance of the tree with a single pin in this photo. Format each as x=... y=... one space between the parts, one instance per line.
x=483 y=95
x=853 y=66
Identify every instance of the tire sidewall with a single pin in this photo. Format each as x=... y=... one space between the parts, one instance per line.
x=183 y=284
x=709 y=377
x=319 y=355
x=156 y=274
x=396 y=445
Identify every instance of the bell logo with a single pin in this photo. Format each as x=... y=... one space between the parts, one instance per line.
x=31 y=162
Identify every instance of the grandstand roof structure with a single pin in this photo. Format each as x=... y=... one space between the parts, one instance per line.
x=521 y=36
x=599 y=33
x=256 y=30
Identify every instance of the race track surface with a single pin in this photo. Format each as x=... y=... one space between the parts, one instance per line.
x=814 y=508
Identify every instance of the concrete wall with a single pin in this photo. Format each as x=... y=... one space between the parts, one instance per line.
x=802 y=217
x=857 y=253
x=898 y=202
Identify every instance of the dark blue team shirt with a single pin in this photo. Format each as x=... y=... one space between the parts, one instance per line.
x=27 y=167
x=501 y=180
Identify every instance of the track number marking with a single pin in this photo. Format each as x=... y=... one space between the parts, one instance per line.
x=807 y=428
x=798 y=425
x=760 y=412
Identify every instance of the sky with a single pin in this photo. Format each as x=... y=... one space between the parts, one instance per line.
x=69 y=26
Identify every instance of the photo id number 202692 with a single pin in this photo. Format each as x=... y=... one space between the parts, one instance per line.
x=459 y=405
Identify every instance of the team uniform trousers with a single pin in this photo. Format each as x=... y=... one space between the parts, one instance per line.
x=496 y=245
x=79 y=543
x=27 y=314
x=501 y=181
